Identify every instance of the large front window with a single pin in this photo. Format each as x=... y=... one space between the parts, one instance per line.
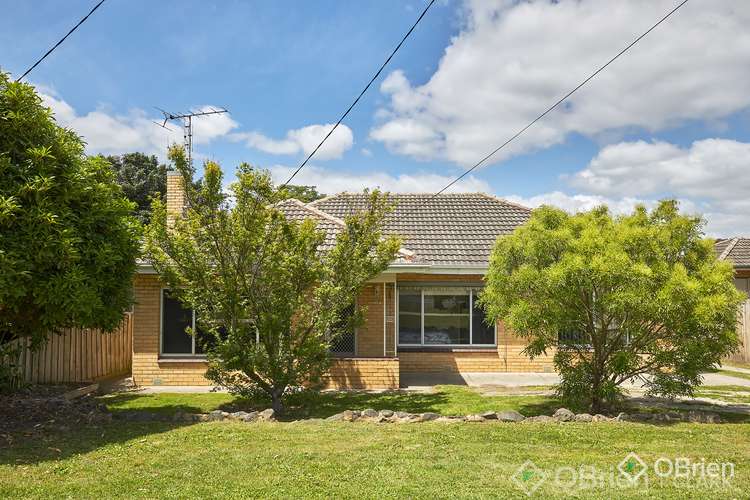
x=433 y=316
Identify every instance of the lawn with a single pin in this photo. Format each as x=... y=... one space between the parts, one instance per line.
x=337 y=459
x=446 y=400
x=735 y=374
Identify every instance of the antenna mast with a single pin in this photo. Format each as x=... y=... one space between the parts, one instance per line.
x=186 y=120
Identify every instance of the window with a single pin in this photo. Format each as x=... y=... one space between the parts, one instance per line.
x=175 y=319
x=435 y=316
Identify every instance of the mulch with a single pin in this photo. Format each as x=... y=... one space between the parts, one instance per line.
x=38 y=409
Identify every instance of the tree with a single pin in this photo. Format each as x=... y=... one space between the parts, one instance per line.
x=641 y=295
x=141 y=178
x=69 y=241
x=305 y=194
x=264 y=295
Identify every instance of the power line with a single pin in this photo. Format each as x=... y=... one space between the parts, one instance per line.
x=380 y=70
x=61 y=41
x=559 y=101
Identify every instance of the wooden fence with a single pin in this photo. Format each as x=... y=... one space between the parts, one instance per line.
x=81 y=355
x=743 y=325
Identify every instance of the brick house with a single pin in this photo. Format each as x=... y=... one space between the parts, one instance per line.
x=737 y=251
x=421 y=316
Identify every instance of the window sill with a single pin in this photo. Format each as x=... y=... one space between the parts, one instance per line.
x=182 y=359
x=447 y=349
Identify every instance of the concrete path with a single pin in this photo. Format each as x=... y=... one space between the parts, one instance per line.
x=423 y=380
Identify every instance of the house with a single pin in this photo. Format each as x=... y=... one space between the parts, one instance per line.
x=421 y=313
x=737 y=251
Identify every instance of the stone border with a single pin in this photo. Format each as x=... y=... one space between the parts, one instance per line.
x=390 y=416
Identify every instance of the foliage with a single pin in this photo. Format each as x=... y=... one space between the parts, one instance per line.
x=141 y=178
x=266 y=297
x=69 y=243
x=305 y=194
x=641 y=295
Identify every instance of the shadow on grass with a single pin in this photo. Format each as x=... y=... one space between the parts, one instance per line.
x=26 y=448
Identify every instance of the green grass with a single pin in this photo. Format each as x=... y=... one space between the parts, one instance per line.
x=729 y=393
x=731 y=373
x=360 y=460
x=736 y=364
x=446 y=400
x=337 y=459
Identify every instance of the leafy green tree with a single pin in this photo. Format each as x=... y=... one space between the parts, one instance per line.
x=641 y=295
x=142 y=178
x=69 y=243
x=267 y=299
x=305 y=194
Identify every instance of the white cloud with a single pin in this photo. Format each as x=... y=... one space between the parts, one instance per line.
x=331 y=181
x=304 y=140
x=511 y=60
x=711 y=168
x=708 y=177
x=110 y=133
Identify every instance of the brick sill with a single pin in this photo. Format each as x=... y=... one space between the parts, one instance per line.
x=492 y=349
x=190 y=359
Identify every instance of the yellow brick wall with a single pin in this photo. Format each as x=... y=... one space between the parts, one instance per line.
x=147 y=369
x=507 y=357
x=363 y=373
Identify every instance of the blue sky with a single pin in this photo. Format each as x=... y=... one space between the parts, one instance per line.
x=668 y=120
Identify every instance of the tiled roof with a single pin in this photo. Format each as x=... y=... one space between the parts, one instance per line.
x=449 y=229
x=296 y=210
x=736 y=250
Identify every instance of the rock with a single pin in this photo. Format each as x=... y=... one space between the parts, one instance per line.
x=426 y=417
x=178 y=416
x=621 y=417
x=268 y=414
x=379 y=419
x=509 y=416
x=338 y=417
x=349 y=415
x=600 y=418
x=203 y=417
x=250 y=417
x=450 y=420
x=474 y=418
x=489 y=415
x=563 y=415
x=540 y=418
x=369 y=413
x=403 y=414
x=216 y=415
x=703 y=417
x=386 y=413
x=238 y=415
x=583 y=417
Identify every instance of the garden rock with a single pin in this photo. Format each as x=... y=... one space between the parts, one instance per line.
x=238 y=415
x=489 y=415
x=216 y=415
x=564 y=415
x=475 y=418
x=510 y=416
x=386 y=413
x=600 y=418
x=369 y=413
x=540 y=418
x=703 y=417
x=583 y=417
x=621 y=417
x=268 y=414
x=250 y=417
x=426 y=417
x=403 y=414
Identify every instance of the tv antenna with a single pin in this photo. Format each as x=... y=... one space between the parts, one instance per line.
x=186 y=120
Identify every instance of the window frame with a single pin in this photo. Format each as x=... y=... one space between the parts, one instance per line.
x=162 y=354
x=470 y=290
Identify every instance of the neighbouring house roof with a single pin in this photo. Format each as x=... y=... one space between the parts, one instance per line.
x=445 y=230
x=735 y=250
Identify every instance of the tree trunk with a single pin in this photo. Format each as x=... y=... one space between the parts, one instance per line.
x=276 y=403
